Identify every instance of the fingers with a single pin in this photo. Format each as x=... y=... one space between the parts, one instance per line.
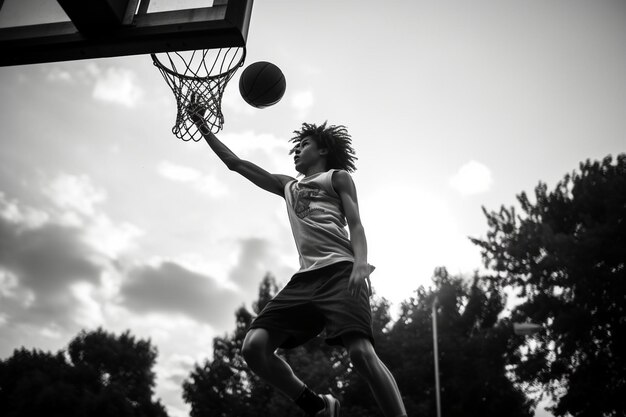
x=193 y=101
x=355 y=286
x=195 y=109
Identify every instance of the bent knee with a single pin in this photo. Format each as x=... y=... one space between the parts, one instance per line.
x=252 y=348
x=362 y=354
x=257 y=345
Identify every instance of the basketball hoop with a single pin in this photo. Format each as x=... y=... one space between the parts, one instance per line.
x=202 y=74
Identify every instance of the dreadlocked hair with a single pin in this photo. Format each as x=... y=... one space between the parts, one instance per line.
x=334 y=138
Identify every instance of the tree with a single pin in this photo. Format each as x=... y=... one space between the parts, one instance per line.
x=123 y=364
x=100 y=380
x=565 y=256
x=473 y=345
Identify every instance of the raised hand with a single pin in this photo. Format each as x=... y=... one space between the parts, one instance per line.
x=196 y=110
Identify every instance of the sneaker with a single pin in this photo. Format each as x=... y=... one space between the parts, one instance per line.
x=331 y=408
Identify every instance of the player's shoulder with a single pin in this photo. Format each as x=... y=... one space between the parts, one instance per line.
x=342 y=180
x=284 y=179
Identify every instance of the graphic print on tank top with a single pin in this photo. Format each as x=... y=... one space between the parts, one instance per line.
x=303 y=195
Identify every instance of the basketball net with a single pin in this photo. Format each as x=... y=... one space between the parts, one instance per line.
x=203 y=74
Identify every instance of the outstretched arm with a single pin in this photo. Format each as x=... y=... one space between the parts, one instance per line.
x=274 y=183
x=343 y=184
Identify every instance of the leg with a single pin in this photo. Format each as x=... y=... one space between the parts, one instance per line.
x=375 y=373
x=259 y=351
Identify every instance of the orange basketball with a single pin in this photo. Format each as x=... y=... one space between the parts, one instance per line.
x=262 y=84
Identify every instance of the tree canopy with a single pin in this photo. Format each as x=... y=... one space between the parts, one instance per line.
x=473 y=346
x=101 y=375
x=565 y=256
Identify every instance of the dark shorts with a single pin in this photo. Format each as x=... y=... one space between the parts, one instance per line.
x=316 y=300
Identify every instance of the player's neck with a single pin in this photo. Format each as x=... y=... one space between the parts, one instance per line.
x=315 y=169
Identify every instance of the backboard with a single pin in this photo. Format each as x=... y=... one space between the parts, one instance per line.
x=39 y=31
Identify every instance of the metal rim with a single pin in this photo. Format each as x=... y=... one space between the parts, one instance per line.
x=159 y=64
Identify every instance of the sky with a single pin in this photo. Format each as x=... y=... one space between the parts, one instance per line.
x=106 y=219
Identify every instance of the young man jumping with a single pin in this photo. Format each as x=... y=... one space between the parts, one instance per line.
x=331 y=290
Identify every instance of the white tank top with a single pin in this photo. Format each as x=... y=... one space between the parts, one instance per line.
x=317 y=221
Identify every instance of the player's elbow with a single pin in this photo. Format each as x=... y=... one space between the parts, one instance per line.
x=233 y=163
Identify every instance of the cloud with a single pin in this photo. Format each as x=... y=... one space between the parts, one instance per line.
x=472 y=178
x=252 y=263
x=302 y=101
x=267 y=150
x=204 y=183
x=53 y=259
x=89 y=309
x=77 y=198
x=173 y=289
x=110 y=238
x=249 y=141
x=117 y=86
x=39 y=267
x=44 y=256
x=113 y=85
x=73 y=73
x=74 y=193
x=178 y=172
x=27 y=217
x=59 y=74
x=47 y=258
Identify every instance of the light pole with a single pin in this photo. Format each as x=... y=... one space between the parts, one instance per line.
x=436 y=355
